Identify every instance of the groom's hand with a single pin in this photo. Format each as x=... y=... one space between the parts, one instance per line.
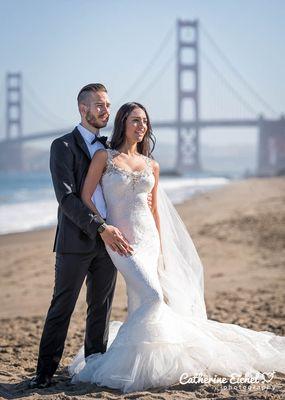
x=113 y=238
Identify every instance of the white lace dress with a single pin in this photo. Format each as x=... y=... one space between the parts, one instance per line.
x=155 y=345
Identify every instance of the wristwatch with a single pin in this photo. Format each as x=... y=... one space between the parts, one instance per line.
x=102 y=228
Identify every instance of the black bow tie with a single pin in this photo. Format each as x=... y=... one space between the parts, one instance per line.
x=101 y=139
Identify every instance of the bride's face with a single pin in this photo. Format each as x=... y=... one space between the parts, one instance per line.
x=136 y=125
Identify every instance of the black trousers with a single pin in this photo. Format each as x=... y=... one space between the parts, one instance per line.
x=70 y=272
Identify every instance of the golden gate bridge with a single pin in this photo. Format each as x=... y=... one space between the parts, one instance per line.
x=188 y=123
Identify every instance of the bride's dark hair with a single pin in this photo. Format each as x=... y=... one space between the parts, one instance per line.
x=146 y=146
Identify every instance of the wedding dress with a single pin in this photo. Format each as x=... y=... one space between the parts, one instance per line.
x=166 y=332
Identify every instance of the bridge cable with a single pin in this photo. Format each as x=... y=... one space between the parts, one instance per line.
x=236 y=72
x=228 y=85
x=158 y=76
x=39 y=113
x=40 y=103
x=148 y=67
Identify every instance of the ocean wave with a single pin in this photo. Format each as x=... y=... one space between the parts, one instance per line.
x=28 y=213
x=27 y=216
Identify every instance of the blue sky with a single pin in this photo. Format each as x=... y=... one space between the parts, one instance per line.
x=60 y=45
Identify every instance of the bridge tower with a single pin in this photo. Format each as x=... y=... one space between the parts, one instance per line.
x=188 y=158
x=11 y=154
x=271 y=148
x=13 y=104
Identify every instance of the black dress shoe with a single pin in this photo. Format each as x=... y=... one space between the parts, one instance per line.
x=40 y=382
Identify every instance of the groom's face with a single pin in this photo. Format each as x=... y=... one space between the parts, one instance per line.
x=97 y=109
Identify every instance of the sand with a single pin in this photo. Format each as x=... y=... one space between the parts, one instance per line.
x=239 y=232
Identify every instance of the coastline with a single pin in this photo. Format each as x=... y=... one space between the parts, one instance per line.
x=33 y=206
x=239 y=233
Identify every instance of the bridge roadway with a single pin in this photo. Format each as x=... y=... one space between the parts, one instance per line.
x=211 y=123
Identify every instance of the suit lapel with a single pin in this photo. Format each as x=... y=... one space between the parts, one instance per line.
x=81 y=143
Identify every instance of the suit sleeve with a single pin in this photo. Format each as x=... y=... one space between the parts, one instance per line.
x=62 y=172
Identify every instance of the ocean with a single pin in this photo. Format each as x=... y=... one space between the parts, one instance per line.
x=27 y=200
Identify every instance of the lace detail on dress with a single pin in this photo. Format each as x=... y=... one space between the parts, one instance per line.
x=112 y=167
x=133 y=176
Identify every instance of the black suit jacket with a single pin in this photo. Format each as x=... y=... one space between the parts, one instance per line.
x=77 y=225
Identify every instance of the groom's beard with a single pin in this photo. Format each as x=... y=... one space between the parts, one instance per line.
x=96 y=122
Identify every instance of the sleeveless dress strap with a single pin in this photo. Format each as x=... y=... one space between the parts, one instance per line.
x=110 y=163
x=148 y=162
x=110 y=155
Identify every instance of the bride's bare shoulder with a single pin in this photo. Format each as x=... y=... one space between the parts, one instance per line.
x=155 y=165
x=100 y=157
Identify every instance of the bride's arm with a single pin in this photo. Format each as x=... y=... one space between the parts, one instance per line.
x=92 y=179
x=154 y=208
x=111 y=236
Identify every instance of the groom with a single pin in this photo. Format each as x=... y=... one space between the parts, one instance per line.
x=80 y=239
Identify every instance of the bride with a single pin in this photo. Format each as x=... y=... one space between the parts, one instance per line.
x=166 y=333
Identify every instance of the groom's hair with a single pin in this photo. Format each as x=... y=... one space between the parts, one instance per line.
x=84 y=93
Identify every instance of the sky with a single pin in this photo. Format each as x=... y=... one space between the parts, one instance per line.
x=130 y=46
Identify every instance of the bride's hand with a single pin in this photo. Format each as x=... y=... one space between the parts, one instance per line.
x=113 y=238
x=149 y=200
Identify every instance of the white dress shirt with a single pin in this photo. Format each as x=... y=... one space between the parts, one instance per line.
x=98 y=197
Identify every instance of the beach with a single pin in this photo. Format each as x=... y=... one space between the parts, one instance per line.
x=239 y=232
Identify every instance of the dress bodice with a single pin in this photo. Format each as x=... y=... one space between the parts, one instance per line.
x=126 y=194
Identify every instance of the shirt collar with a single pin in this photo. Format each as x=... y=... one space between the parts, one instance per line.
x=87 y=135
